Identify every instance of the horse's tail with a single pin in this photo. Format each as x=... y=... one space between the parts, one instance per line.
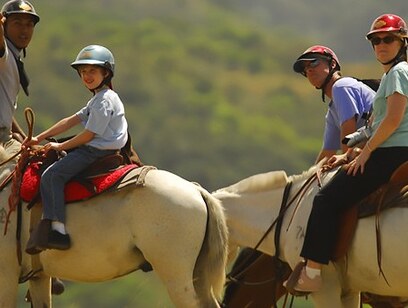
x=209 y=271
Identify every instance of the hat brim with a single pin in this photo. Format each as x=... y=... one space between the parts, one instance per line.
x=299 y=65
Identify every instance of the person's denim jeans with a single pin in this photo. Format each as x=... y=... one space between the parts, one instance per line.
x=55 y=177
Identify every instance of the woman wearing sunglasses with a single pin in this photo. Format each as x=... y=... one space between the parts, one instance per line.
x=350 y=99
x=380 y=157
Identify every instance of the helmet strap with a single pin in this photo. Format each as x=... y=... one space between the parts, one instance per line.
x=398 y=58
x=327 y=80
x=106 y=81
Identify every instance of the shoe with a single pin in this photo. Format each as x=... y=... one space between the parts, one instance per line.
x=39 y=237
x=299 y=283
x=306 y=284
x=58 y=241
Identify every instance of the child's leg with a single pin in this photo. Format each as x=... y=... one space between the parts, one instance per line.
x=58 y=174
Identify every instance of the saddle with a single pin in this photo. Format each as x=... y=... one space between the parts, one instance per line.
x=107 y=173
x=392 y=194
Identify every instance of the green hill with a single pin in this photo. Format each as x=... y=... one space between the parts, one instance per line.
x=208 y=86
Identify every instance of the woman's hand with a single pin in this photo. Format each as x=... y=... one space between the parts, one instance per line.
x=358 y=162
x=334 y=161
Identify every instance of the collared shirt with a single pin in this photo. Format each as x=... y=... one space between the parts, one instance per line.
x=9 y=85
x=351 y=98
x=104 y=115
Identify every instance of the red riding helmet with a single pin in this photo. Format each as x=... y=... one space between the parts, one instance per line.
x=388 y=23
x=311 y=54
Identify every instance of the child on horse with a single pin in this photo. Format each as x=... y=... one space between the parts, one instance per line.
x=104 y=133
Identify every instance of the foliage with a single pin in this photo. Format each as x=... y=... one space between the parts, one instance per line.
x=208 y=85
x=201 y=87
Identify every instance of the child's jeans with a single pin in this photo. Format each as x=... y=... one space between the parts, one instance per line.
x=55 y=177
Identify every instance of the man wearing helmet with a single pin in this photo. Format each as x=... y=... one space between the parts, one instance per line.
x=350 y=99
x=17 y=21
x=381 y=155
x=104 y=133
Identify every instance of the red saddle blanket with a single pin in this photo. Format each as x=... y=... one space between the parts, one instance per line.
x=74 y=190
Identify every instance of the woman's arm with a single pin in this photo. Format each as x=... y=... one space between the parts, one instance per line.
x=396 y=105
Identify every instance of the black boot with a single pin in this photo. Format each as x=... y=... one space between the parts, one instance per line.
x=58 y=241
x=39 y=237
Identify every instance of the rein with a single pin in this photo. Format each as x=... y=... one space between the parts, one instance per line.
x=16 y=175
x=285 y=204
x=29 y=114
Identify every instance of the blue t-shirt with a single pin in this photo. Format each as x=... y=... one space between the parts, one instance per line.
x=104 y=115
x=396 y=80
x=350 y=98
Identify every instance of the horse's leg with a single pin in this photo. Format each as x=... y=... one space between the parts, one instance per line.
x=40 y=291
x=179 y=285
x=176 y=273
x=39 y=286
x=350 y=299
x=8 y=286
x=332 y=295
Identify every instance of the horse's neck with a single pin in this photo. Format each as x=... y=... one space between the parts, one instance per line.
x=250 y=215
x=295 y=219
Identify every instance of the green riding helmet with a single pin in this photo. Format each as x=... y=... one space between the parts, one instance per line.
x=19 y=7
x=95 y=55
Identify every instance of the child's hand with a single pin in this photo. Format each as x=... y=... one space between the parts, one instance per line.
x=53 y=146
x=29 y=142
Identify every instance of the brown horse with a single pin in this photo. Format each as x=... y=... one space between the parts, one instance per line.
x=255 y=281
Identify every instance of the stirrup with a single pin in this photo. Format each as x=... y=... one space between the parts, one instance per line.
x=293 y=280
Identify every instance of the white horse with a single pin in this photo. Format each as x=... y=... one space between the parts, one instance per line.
x=253 y=204
x=175 y=225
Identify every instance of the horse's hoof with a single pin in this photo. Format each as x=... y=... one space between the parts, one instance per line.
x=146 y=267
x=33 y=250
x=27 y=298
x=57 y=286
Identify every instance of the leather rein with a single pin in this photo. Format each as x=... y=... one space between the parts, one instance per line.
x=277 y=223
x=15 y=175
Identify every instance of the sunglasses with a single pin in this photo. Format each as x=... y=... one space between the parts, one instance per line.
x=311 y=64
x=387 y=39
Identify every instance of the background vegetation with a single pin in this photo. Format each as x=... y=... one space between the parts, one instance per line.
x=208 y=87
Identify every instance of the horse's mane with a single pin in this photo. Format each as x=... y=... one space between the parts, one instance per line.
x=306 y=174
x=258 y=183
x=267 y=181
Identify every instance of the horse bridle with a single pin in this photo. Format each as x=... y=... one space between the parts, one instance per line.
x=277 y=223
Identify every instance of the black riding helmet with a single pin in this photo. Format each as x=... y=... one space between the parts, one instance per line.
x=19 y=7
